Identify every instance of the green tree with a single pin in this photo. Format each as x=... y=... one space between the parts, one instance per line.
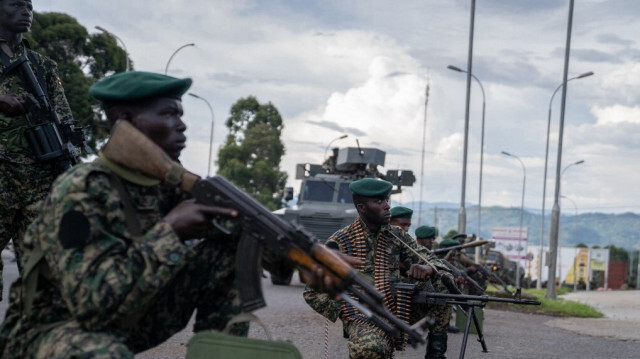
x=617 y=253
x=82 y=59
x=253 y=150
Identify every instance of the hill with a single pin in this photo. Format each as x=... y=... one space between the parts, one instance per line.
x=621 y=230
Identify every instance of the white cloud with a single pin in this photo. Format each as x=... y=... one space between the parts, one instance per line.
x=362 y=67
x=616 y=114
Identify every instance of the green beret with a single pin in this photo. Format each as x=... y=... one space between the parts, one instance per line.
x=458 y=235
x=401 y=212
x=449 y=243
x=371 y=187
x=138 y=85
x=426 y=232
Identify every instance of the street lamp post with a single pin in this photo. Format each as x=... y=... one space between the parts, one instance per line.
x=332 y=141
x=126 y=53
x=211 y=136
x=524 y=182
x=575 y=237
x=555 y=212
x=462 y=213
x=454 y=68
x=166 y=69
x=544 y=182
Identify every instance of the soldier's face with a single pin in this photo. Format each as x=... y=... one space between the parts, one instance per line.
x=16 y=16
x=426 y=242
x=375 y=210
x=403 y=223
x=161 y=121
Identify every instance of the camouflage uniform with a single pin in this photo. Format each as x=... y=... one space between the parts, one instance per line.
x=24 y=183
x=455 y=257
x=107 y=293
x=365 y=339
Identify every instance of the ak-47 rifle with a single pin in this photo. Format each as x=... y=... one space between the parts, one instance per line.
x=259 y=228
x=461 y=246
x=50 y=139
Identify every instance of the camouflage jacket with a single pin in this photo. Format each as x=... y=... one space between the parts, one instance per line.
x=398 y=255
x=13 y=144
x=103 y=276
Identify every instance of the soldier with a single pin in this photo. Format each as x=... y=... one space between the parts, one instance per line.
x=463 y=263
x=401 y=217
x=381 y=249
x=23 y=183
x=111 y=260
x=426 y=236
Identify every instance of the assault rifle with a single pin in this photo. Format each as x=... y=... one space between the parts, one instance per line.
x=467 y=303
x=460 y=246
x=49 y=138
x=259 y=228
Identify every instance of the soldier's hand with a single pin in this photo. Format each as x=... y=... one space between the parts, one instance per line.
x=11 y=106
x=460 y=280
x=191 y=220
x=420 y=271
x=322 y=281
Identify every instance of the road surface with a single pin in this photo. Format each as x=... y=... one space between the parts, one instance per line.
x=507 y=334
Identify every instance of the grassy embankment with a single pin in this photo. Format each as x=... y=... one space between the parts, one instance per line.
x=554 y=307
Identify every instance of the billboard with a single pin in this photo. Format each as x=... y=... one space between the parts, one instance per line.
x=511 y=241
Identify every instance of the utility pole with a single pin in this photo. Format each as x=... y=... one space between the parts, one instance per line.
x=424 y=140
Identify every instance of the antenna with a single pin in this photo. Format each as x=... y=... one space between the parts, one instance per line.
x=360 y=151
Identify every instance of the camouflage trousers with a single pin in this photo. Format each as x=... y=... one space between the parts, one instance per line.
x=206 y=285
x=22 y=186
x=367 y=341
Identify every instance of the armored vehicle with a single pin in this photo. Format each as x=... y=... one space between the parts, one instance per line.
x=325 y=202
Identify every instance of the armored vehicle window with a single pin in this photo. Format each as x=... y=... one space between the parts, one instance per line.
x=318 y=191
x=344 y=193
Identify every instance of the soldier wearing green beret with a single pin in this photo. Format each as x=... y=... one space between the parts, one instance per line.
x=111 y=257
x=463 y=263
x=382 y=250
x=401 y=217
x=23 y=182
x=426 y=235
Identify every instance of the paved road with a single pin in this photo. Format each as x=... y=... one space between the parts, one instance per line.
x=507 y=334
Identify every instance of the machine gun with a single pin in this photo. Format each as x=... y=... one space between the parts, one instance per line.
x=259 y=228
x=49 y=138
x=467 y=303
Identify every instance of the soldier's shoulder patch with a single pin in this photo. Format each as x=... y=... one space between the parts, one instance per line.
x=75 y=230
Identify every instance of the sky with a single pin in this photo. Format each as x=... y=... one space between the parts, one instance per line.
x=361 y=68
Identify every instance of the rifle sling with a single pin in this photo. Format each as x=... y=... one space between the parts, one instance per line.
x=130 y=213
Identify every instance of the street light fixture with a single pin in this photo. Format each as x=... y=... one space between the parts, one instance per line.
x=211 y=136
x=544 y=182
x=524 y=181
x=166 y=69
x=454 y=68
x=332 y=141
x=126 y=53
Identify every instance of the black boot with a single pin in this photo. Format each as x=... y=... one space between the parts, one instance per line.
x=436 y=346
